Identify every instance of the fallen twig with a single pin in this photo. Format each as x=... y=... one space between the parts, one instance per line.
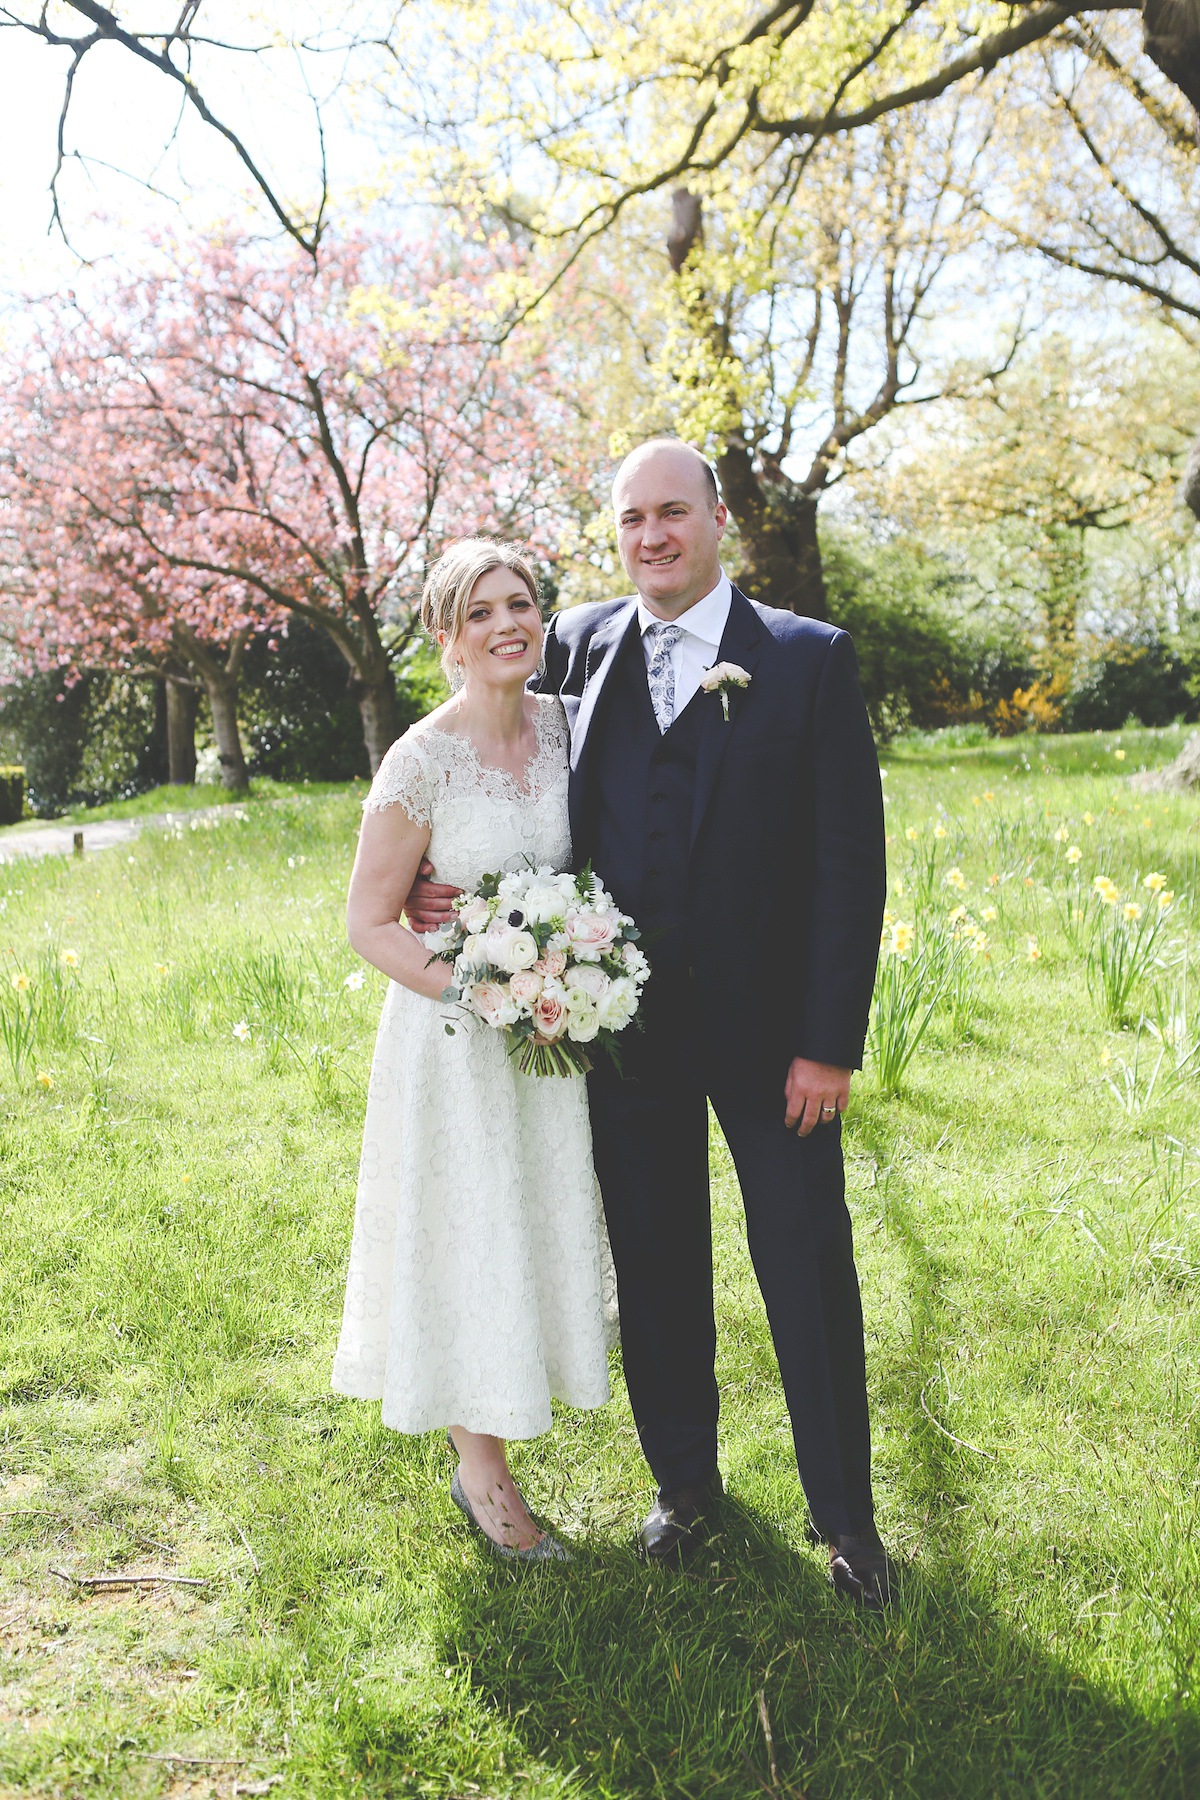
x=108 y=1581
x=764 y=1719
x=171 y=1756
x=973 y=1448
x=32 y=1512
x=249 y=1551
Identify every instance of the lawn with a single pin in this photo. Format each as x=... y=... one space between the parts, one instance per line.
x=175 y=1210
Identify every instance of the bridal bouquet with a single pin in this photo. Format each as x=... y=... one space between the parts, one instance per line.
x=549 y=960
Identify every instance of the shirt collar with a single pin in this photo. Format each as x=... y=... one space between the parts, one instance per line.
x=706 y=620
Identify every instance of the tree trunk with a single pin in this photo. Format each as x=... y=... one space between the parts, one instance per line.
x=377 y=704
x=183 y=701
x=222 y=691
x=777 y=525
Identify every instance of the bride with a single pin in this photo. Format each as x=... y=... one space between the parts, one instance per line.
x=474 y=1289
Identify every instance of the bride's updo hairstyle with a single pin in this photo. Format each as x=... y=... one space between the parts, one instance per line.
x=450 y=581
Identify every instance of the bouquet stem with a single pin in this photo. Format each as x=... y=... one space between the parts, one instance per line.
x=539 y=1058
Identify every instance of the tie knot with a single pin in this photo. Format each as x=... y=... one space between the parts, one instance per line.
x=665 y=635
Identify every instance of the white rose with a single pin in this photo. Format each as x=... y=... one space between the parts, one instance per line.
x=474 y=916
x=591 y=979
x=473 y=952
x=566 y=887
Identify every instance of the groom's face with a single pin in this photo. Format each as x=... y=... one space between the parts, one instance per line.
x=668 y=531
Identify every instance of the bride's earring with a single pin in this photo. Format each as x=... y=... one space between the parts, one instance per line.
x=456 y=676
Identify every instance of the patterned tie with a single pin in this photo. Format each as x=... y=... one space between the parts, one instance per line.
x=660 y=675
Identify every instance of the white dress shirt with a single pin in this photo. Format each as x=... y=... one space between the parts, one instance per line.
x=703 y=627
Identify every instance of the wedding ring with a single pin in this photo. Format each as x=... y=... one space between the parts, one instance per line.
x=829 y=1109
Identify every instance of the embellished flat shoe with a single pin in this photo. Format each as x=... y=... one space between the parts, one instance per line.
x=547 y=1549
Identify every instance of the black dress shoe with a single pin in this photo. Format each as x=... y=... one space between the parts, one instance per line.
x=679 y=1522
x=860 y=1568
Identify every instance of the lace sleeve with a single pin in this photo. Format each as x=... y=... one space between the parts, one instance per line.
x=403 y=779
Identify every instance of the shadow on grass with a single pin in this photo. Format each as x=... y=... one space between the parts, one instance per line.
x=645 y=1682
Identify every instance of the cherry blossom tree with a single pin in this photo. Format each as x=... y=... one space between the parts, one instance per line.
x=240 y=435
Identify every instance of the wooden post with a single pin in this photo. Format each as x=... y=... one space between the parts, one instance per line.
x=79 y=843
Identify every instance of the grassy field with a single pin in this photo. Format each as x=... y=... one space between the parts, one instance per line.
x=175 y=1209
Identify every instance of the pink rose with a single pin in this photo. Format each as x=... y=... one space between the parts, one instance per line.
x=549 y=1017
x=487 y=998
x=593 y=981
x=526 y=987
x=592 y=934
x=551 y=963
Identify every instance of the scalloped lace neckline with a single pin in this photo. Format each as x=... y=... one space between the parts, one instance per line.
x=491 y=774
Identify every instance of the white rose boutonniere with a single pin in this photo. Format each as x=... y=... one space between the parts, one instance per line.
x=721 y=678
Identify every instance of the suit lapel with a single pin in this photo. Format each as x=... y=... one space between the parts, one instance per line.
x=738 y=645
x=600 y=660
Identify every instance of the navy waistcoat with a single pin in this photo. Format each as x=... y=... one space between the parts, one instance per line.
x=640 y=811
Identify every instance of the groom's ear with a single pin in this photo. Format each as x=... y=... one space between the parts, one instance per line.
x=721 y=515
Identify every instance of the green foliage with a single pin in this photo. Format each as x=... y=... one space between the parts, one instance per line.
x=175 y=1214
x=919 y=663
x=100 y=738
x=1149 y=683
x=12 y=793
x=1122 y=952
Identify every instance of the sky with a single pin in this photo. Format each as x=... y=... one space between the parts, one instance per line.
x=123 y=116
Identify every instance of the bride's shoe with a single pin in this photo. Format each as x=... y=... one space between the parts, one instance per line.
x=547 y=1549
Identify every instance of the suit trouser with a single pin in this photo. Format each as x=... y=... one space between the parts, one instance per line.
x=651 y=1148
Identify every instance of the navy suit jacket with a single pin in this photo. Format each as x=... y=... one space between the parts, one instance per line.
x=787 y=880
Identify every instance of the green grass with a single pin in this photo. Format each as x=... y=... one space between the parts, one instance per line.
x=176 y=1212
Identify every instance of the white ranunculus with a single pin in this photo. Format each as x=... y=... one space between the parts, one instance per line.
x=474 y=951
x=582 y=1023
x=522 y=952
x=474 y=915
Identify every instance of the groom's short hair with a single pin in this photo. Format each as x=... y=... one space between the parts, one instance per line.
x=667 y=442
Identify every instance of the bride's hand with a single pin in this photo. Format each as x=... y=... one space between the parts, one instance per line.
x=427 y=904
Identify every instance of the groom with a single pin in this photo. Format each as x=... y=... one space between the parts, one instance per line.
x=687 y=815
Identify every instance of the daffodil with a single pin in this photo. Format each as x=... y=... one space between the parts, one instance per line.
x=989 y=795
x=902 y=939
x=1107 y=889
x=1074 y=855
x=1105 y=1057
x=1155 y=881
x=939 y=831
x=1088 y=819
x=45 y=1079
x=911 y=834
x=1120 y=755
x=70 y=959
x=355 y=979
x=21 y=981
x=1165 y=898
x=1061 y=835
x=898 y=887
x=989 y=915
x=1031 y=949
x=1132 y=910
x=957 y=916
x=956 y=879
x=241 y=1032
x=979 y=944
x=162 y=968
x=975 y=800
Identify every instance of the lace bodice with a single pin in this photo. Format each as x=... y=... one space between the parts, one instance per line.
x=481 y=818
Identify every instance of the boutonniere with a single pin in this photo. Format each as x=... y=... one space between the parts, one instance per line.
x=721 y=679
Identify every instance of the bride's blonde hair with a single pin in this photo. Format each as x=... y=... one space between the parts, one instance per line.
x=449 y=583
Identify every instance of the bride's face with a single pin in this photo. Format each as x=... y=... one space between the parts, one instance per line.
x=501 y=640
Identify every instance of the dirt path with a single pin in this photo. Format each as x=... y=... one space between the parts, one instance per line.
x=59 y=840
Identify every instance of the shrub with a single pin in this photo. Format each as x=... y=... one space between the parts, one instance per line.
x=920 y=665
x=300 y=719
x=101 y=738
x=1147 y=682
x=12 y=794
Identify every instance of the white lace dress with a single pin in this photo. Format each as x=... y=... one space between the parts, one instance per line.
x=475 y=1289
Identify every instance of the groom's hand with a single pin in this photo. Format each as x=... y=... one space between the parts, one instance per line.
x=814 y=1093
x=427 y=905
